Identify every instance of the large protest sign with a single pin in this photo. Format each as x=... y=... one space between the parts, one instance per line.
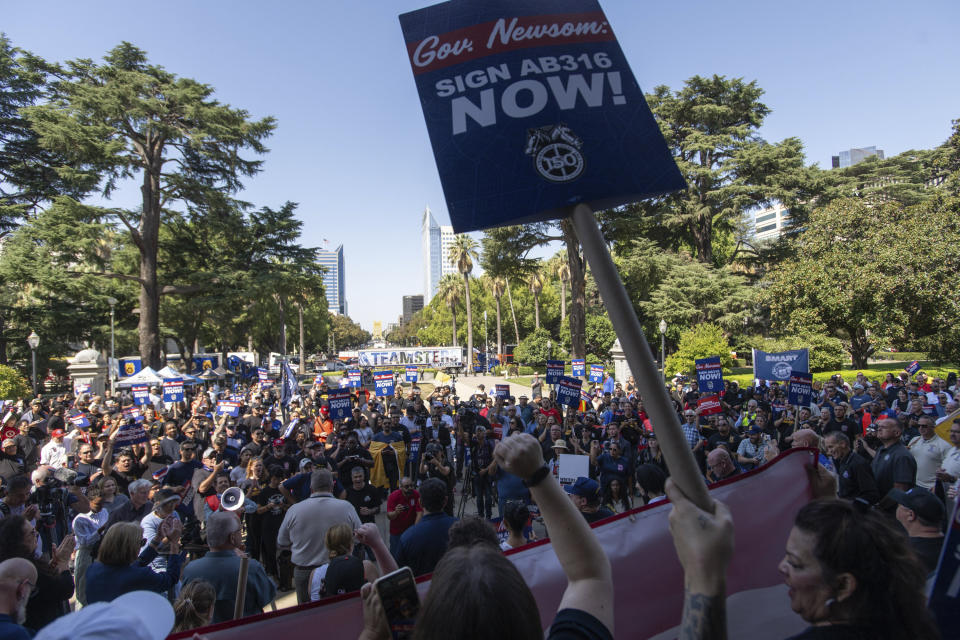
x=596 y=373
x=141 y=394
x=709 y=375
x=578 y=368
x=353 y=378
x=502 y=391
x=383 y=382
x=913 y=367
x=411 y=373
x=800 y=389
x=340 y=408
x=532 y=109
x=173 y=390
x=779 y=366
x=568 y=391
x=554 y=371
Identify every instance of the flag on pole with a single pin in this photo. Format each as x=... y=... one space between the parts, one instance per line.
x=289 y=384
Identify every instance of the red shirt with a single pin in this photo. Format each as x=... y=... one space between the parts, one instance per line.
x=552 y=411
x=406 y=519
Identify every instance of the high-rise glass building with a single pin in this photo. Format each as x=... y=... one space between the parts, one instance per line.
x=436 y=242
x=851 y=157
x=333 y=280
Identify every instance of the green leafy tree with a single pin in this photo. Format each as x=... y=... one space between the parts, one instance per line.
x=13 y=386
x=710 y=126
x=600 y=337
x=463 y=252
x=347 y=334
x=126 y=118
x=534 y=349
x=498 y=286
x=866 y=273
x=536 y=286
x=448 y=291
x=701 y=341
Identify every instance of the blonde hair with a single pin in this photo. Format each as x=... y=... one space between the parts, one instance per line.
x=339 y=539
x=194 y=606
x=121 y=544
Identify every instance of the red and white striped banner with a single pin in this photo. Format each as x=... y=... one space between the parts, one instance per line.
x=647 y=576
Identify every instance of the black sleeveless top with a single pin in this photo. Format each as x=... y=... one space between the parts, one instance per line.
x=344 y=575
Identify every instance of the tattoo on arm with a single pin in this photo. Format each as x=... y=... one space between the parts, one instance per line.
x=704 y=617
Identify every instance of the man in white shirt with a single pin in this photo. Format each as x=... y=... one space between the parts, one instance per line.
x=949 y=473
x=930 y=451
x=304 y=529
x=86 y=527
x=54 y=453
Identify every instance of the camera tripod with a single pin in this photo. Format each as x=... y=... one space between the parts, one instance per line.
x=466 y=489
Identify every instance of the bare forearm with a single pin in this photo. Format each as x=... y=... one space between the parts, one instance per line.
x=383 y=556
x=576 y=547
x=704 y=616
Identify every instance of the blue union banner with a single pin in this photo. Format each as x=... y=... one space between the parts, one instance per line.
x=532 y=108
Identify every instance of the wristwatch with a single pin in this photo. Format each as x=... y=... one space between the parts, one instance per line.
x=537 y=477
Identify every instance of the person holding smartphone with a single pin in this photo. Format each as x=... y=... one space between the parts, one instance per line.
x=469 y=581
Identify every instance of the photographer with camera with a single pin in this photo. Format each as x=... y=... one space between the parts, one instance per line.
x=434 y=464
x=55 y=494
x=352 y=455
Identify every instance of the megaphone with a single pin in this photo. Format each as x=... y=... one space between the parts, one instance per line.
x=232 y=499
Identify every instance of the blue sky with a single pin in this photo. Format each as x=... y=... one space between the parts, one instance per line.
x=352 y=148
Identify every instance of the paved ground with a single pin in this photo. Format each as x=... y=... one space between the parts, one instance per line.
x=467 y=385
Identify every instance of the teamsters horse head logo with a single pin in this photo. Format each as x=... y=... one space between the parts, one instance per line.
x=556 y=152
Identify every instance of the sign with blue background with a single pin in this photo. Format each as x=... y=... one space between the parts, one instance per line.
x=129 y=366
x=340 y=404
x=596 y=373
x=141 y=394
x=383 y=382
x=554 y=371
x=353 y=378
x=173 y=390
x=579 y=368
x=709 y=375
x=411 y=374
x=779 y=366
x=568 y=391
x=532 y=108
x=800 y=389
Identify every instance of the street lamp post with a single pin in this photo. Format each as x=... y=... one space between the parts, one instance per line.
x=34 y=341
x=663 y=349
x=113 y=365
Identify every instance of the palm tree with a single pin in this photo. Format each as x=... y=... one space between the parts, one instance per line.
x=499 y=287
x=448 y=288
x=536 y=286
x=463 y=252
x=561 y=269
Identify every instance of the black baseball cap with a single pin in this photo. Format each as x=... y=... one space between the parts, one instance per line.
x=921 y=501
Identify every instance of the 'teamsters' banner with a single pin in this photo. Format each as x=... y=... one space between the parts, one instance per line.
x=532 y=108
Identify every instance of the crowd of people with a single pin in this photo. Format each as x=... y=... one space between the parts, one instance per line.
x=294 y=496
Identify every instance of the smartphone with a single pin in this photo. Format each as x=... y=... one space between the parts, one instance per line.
x=401 y=602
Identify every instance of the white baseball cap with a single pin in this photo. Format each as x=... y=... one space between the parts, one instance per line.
x=138 y=615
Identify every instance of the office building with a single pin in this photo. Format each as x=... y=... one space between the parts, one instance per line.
x=851 y=157
x=333 y=280
x=769 y=222
x=411 y=304
x=436 y=242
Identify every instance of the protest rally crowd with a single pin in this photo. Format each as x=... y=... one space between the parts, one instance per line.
x=87 y=516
